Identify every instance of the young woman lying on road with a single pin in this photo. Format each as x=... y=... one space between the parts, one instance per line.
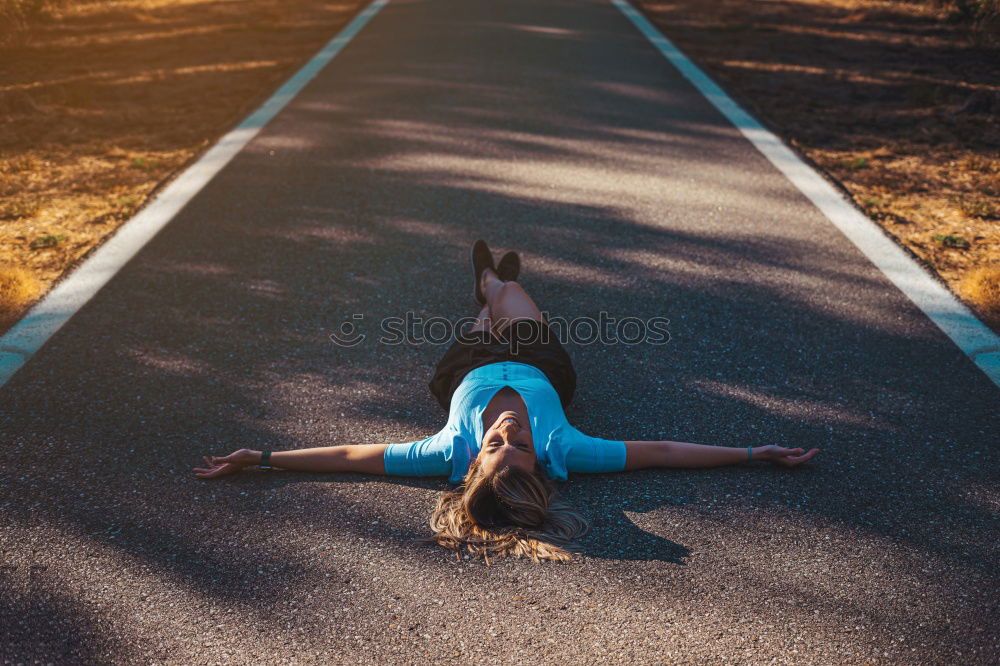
x=504 y=384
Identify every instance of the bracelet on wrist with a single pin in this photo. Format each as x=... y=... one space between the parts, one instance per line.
x=265 y=460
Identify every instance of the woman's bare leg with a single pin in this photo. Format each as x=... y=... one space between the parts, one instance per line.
x=482 y=320
x=507 y=302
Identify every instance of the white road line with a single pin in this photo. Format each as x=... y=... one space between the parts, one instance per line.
x=29 y=334
x=971 y=335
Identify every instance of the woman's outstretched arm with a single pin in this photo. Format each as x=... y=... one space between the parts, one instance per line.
x=362 y=458
x=640 y=455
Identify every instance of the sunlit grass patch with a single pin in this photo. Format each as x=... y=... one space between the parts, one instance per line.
x=18 y=288
x=18 y=164
x=981 y=287
x=951 y=240
x=983 y=208
x=47 y=241
x=17 y=209
x=17 y=15
x=980 y=163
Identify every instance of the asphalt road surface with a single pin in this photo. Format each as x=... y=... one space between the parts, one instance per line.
x=554 y=128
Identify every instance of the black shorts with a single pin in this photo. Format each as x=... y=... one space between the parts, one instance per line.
x=525 y=341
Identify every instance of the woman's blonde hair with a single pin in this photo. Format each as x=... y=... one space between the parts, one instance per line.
x=511 y=512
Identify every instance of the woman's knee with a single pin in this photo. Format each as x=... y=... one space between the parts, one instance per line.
x=513 y=292
x=511 y=302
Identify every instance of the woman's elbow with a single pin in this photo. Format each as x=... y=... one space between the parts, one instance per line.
x=642 y=455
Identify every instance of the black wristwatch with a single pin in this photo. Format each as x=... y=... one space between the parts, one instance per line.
x=265 y=460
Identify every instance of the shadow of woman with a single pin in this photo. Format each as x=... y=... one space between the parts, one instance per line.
x=614 y=536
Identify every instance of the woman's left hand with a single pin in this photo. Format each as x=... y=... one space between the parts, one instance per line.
x=782 y=456
x=216 y=466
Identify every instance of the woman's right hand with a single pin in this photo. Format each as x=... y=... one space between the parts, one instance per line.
x=217 y=466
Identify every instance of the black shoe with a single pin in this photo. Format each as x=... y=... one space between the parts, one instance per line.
x=481 y=259
x=509 y=267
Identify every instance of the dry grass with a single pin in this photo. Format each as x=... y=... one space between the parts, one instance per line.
x=898 y=101
x=981 y=287
x=18 y=288
x=101 y=101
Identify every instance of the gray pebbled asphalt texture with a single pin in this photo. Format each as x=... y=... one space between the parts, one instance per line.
x=550 y=127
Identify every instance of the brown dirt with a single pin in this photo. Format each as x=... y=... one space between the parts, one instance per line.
x=896 y=102
x=102 y=101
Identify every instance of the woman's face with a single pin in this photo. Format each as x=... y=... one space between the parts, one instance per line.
x=508 y=442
